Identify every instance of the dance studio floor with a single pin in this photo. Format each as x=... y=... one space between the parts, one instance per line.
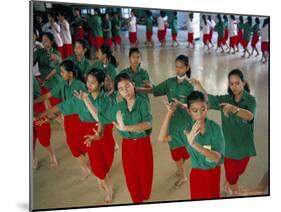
x=60 y=187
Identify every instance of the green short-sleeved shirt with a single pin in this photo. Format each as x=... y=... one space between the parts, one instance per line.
x=36 y=88
x=140 y=113
x=84 y=64
x=107 y=25
x=247 y=29
x=138 y=77
x=174 y=25
x=220 y=29
x=238 y=133
x=95 y=23
x=212 y=139
x=149 y=24
x=256 y=28
x=109 y=69
x=116 y=27
x=78 y=21
x=64 y=90
x=225 y=24
x=113 y=97
x=240 y=26
x=75 y=106
x=172 y=89
x=46 y=65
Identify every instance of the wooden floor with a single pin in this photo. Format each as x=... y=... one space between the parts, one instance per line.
x=60 y=187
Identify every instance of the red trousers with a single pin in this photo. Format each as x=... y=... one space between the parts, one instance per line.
x=264 y=46
x=206 y=38
x=137 y=159
x=133 y=37
x=161 y=35
x=74 y=138
x=43 y=132
x=211 y=36
x=107 y=41
x=67 y=50
x=205 y=184
x=244 y=43
x=54 y=101
x=233 y=41
x=225 y=37
x=190 y=37
x=95 y=41
x=179 y=153
x=220 y=41
x=174 y=36
x=117 y=39
x=78 y=33
x=101 y=152
x=240 y=37
x=60 y=49
x=149 y=36
x=234 y=169
x=255 y=40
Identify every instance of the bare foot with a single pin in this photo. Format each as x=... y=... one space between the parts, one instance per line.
x=181 y=181
x=53 y=162
x=108 y=196
x=85 y=174
x=227 y=189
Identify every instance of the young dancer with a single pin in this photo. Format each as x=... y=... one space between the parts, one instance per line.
x=212 y=25
x=161 y=34
x=174 y=30
x=48 y=59
x=106 y=62
x=220 y=30
x=96 y=33
x=226 y=32
x=79 y=58
x=53 y=27
x=149 y=28
x=240 y=31
x=95 y=139
x=233 y=33
x=264 y=40
x=77 y=25
x=64 y=91
x=204 y=141
x=133 y=30
x=139 y=75
x=247 y=30
x=190 y=31
x=132 y=118
x=116 y=28
x=206 y=32
x=176 y=89
x=65 y=36
x=42 y=132
x=107 y=27
x=256 y=36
